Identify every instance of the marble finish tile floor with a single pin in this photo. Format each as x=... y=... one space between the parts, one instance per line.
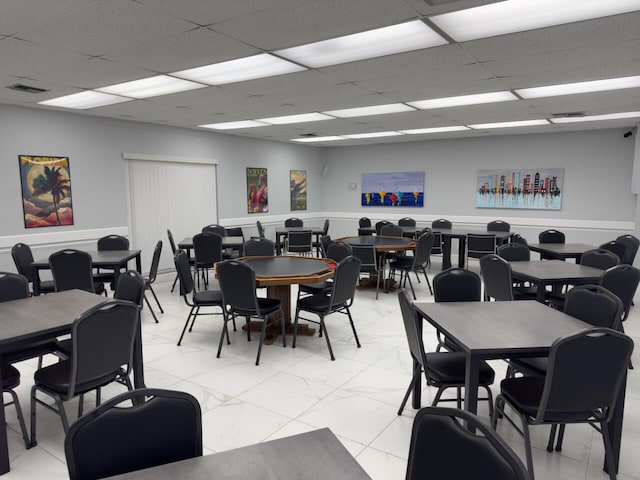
x=297 y=390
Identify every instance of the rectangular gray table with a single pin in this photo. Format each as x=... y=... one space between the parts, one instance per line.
x=561 y=251
x=316 y=455
x=553 y=273
x=35 y=319
x=501 y=330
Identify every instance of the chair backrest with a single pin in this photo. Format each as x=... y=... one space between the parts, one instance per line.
x=325 y=227
x=422 y=232
x=22 y=257
x=207 y=247
x=457 y=285
x=480 y=245
x=632 y=243
x=260 y=229
x=367 y=256
x=72 y=269
x=410 y=319
x=578 y=362
x=381 y=224
x=233 y=232
x=442 y=447
x=293 y=222
x=172 y=242
x=594 y=305
x=215 y=228
x=364 y=222
x=599 y=258
x=616 y=247
x=496 y=273
x=551 y=236
x=422 y=252
x=183 y=269
x=102 y=341
x=113 y=242
x=155 y=261
x=325 y=241
x=300 y=241
x=622 y=281
x=345 y=280
x=130 y=287
x=499 y=226
x=514 y=252
x=259 y=247
x=238 y=285
x=338 y=251
x=154 y=427
x=13 y=286
x=517 y=238
x=391 y=230
x=441 y=223
x=407 y=222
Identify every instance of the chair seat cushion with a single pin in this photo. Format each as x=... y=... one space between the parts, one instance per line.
x=402 y=263
x=268 y=305
x=315 y=303
x=56 y=377
x=524 y=393
x=208 y=297
x=316 y=288
x=10 y=376
x=531 y=366
x=47 y=286
x=449 y=367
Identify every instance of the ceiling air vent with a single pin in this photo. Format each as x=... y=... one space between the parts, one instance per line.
x=567 y=114
x=26 y=88
x=309 y=135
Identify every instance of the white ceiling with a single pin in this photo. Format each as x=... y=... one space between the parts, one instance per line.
x=66 y=46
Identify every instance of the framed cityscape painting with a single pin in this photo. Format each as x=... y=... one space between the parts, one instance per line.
x=399 y=189
x=298 y=189
x=46 y=191
x=536 y=188
x=257 y=192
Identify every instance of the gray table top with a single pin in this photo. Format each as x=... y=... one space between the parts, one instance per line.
x=316 y=455
x=187 y=242
x=501 y=329
x=99 y=258
x=555 y=271
x=562 y=249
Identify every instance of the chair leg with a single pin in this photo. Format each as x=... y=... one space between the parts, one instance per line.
x=427 y=279
x=153 y=314
x=156 y=298
x=262 y=335
x=416 y=375
x=81 y=404
x=459 y=397
x=224 y=331
x=63 y=414
x=608 y=451
x=411 y=285
x=439 y=393
x=353 y=327
x=552 y=437
x=186 y=324
x=34 y=441
x=175 y=280
x=527 y=447
x=193 y=320
x=489 y=399
x=23 y=427
x=326 y=337
x=295 y=329
x=248 y=323
x=284 y=329
x=560 y=438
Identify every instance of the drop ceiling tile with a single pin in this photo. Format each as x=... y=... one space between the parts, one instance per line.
x=433 y=7
x=22 y=59
x=105 y=26
x=183 y=50
x=306 y=21
x=446 y=90
x=19 y=15
x=307 y=80
x=592 y=103
x=52 y=90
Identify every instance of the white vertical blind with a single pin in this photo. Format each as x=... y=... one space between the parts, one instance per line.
x=165 y=195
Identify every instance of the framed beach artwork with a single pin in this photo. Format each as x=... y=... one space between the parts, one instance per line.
x=257 y=192
x=46 y=191
x=298 y=189
x=397 y=189
x=535 y=188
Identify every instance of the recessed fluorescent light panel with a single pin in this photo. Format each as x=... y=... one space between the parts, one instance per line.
x=151 y=87
x=331 y=138
x=404 y=37
x=581 y=87
x=373 y=135
x=476 y=99
x=520 y=15
x=240 y=70
x=301 y=118
x=375 y=110
x=521 y=123
x=418 y=131
x=594 y=118
x=84 y=100
x=234 y=125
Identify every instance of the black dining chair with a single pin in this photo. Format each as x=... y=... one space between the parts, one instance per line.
x=440 y=223
x=442 y=370
x=416 y=263
x=599 y=258
x=233 y=252
x=102 y=341
x=407 y=222
x=368 y=263
x=73 y=269
x=203 y=298
x=498 y=226
x=566 y=394
x=550 y=236
x=390 y=230
x=215 y=228
x=293 y=222
x=479 y=245
x=174 y=249
x=208 y=251
x=300 y=242
x=443 y=448
x=318 y=244
x=259 y=247
x=110 y=243
x=364 y=225
x=148 y=281
x=616 y=247
x=325 y=241
x=339 y=300
x=381 y=224
x=260 y=229
x=336 y=251
x=133 y=431
x=239 y=299
x=22 y=258
x=498 y=281
x=517 y=252
x=517 y=238
x=631 y=243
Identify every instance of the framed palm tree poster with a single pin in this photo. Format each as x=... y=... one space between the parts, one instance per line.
x=46 y=191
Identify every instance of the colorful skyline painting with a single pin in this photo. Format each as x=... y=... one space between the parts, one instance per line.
x=539 y=189
x=397 y=189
